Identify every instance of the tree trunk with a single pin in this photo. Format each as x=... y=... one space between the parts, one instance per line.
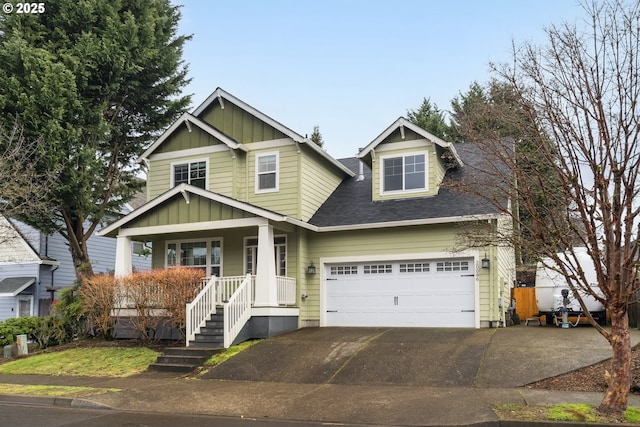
x=77 y=239
x=615 y=398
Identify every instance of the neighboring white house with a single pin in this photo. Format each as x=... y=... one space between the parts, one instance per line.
x=34 y=266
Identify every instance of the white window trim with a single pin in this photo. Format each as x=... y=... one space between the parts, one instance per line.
x=403 y=156
x=256 y=174
x=208 y=240
x=172 y=166
x=276 y=236
x=24 y=297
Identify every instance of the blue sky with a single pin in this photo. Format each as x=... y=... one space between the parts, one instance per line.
x=352 y=67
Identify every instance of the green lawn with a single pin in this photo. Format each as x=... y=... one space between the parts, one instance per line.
x=90 y=362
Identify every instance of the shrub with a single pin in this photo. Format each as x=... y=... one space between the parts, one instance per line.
x=142 y=296
x=179 y=286
x=50 y=330
x=11 y=328
x=99 y=295
x=71 y=312
x=159 y=297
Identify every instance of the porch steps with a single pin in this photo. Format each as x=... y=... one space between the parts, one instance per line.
x=182 y=359
x=212 y=334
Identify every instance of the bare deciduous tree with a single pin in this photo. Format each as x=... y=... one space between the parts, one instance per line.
x=580 y=95
x=23 y=189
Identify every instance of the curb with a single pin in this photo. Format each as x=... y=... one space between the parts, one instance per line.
x=52 y=401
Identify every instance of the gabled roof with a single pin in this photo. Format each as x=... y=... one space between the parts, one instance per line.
x=404 y=123
x=351 y=204
x=188 y=120
x=220 y=96
x=12 y=286
x=185 y=190
x=15 y=248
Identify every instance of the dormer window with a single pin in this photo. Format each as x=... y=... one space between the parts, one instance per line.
x=194 y=173
x=267 y=172
x=404 y=173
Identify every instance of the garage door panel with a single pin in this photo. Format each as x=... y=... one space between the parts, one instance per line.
x=405 y=293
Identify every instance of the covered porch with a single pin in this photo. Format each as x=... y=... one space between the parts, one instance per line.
x=247 y=254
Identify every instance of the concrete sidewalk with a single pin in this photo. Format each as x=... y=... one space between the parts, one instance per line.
x=358 y=379
x=329 y=403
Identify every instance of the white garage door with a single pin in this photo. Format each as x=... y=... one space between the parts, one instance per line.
x=422 y=293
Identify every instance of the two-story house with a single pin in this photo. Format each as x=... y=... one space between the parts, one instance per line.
x=364 y=241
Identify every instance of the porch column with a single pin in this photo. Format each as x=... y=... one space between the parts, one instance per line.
x=123 y=256
x=266 y=286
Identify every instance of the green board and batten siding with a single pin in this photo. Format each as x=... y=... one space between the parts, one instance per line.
x=177 y=211
x=239 y=124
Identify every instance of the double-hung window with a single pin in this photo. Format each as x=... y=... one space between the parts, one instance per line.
x=267 y=172
x=194 y=173
x=404 y=173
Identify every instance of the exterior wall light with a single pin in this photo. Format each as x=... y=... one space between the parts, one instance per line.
x=311 y=269
x=485 y=261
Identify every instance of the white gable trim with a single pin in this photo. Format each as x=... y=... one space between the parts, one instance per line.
x=188 y=119
x=402 y=122
x=219 y=94
x=185 y=189
x=15 y=245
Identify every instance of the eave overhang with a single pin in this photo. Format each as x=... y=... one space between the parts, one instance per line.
x=219 y=95
x=402 y=123
x=188 y=120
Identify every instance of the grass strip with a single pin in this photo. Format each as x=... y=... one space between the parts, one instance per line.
x=54 y=391
x=89 y=362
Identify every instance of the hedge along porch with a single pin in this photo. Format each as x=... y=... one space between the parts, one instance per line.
x=192 y=227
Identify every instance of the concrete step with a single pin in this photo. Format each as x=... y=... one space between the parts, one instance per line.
x=183 y=359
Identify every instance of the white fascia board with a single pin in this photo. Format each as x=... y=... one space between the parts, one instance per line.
x=188 y=118
x=15 y=238
x=319 y=150
x=219 y=92
x=192 y=226
x=186 y=188
x=296 y=137
x=408 y=223
x=17 y=291
x=401 y=121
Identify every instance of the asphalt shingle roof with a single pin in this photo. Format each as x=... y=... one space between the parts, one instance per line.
x=351 y=203
x=13 y=285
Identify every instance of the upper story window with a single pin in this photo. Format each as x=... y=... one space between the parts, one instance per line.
x=267 y=172
x=402 y=173
x=194 y=173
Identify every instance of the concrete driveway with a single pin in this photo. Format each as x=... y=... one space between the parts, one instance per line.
x=431 y=357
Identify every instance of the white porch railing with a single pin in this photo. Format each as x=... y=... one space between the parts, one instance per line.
x=199 y=310
x=216 y=291
x=237 y=310
x=286 y=290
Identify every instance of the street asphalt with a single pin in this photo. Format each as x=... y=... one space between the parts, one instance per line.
x=381 y=376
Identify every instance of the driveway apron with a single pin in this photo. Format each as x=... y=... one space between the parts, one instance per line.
x=363 y=356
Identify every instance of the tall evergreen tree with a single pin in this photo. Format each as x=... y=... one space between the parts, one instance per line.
x=430 y=118
x=316 y=136
x=96 y=81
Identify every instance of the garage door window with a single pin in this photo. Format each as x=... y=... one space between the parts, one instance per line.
x=378 y=269
x=343 y=270
x=452 y=266
x=415 y=267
